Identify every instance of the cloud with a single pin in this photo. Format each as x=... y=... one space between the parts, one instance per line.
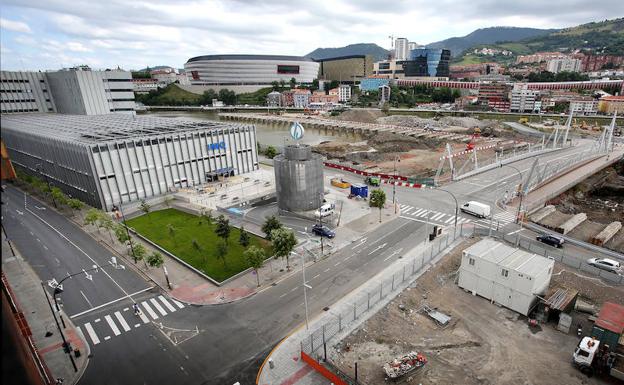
x=152 y=32
x=15 y=26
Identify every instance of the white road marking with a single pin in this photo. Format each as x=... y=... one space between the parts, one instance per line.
x=316 y=276
x=31 y=233
x=378 y=248
x=326 y=270
x=112 y=325
x=158 y=307
x=407 y=210
x=513 y=232
x=143 y=318
x=122 y=321
x=361 y=242
x=110 y=302
x=451 y=219
x=337 y=263
x=293 y=289
x=149 y=310
x=97 y=320
x=137 y=325
x=38 y=240
x=426 y=212
x=347 y=258
x=91 y=333
x=86 y=299
x=283 y=295
x=106 y=338
x=45 y=247
x=178 y=304
x=437 y=216
x=166 y=303
x=417 y=212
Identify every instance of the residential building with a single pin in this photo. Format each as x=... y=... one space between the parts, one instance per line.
x=165 y=75
x=472 y=71
x=610 y=104
x=274 y=99
x=495 y=90
x=145 y=85
x=500 y=105
x=384 y=94
x=301 y=98
x=599 y=62
x=511 y=277
x=412 y=46
x=106 y=160
x=319 y=97
x=346 y=69
x=586 y=106
x=344 y=93
x=522 y=98
x=539 y=57
x=288 y=98
x=373 y=83
x=22 y=92
x=401 y=49
x=427 y=62
x=563 y=64
x=77 y=90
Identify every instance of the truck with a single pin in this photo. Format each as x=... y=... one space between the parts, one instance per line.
x=372 y=181
x=341 y=183
x=591 y=356
x=401 y=366
x=477 y=209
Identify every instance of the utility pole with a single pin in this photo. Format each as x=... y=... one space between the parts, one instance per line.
x=66 y=345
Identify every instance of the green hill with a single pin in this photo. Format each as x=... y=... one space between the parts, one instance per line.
x=605 y=37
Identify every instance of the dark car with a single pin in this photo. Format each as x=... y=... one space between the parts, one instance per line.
x=551 y=240
x=323 y=231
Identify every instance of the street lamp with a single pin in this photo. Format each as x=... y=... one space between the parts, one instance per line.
x=305 y=286
x=456 y=204
x=520 y=194
x=39 y=168
x=396 y=158
x=123 y=218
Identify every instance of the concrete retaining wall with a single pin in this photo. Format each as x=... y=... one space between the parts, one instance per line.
x=606 y=234
x=543 y=213
x=571 y=223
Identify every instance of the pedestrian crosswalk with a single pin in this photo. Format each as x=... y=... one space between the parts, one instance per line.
x=424 y=215
x=119 y=321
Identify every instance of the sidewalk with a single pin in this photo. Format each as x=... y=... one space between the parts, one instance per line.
x=284 y=366
x=27 y=292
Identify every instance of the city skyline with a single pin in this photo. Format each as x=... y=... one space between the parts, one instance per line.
x=47 y=35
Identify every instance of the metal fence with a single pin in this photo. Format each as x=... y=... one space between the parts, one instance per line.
x=389 y=284
x=558 y=255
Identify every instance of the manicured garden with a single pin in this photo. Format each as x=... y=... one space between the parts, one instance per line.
x=193 y=239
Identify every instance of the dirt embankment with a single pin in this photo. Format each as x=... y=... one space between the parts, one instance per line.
x=360 y=115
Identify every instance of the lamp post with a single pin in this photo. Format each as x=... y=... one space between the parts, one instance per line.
x=396 y=158
x=305 y=286
x=123 y=218
x=520 y=194
x=456 y=204
x=66 y=345
x=40 y=169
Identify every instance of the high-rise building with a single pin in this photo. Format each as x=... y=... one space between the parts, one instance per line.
x=522 y=99
x=344 y=93
x=428 y=62
x=346 y=69
x=401 y=49
x=412 y=45
x=69 y=91
x=563 y=64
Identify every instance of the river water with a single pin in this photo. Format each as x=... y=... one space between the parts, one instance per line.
x=271 y=134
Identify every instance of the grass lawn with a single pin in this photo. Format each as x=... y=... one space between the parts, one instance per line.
x=189 y=227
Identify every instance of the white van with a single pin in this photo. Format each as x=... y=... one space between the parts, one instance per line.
x=325 y=210
x=478 y=209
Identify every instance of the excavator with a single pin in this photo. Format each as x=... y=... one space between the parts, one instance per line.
x=475 y=135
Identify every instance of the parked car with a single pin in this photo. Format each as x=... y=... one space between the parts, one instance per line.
x=605 y=264
x=551 y=240
x=323 y=231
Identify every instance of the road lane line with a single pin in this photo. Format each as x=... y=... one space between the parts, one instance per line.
x=167 y=304
x=110 y=302
x=513 y=232
x=158 y=307
x=178 y=304
x=326 y=270
x=149 y=310
x=122 y=321
x=112 y=325
x=316 y=276
x=91 y=333
x=337 y=263
x=283 y=295
x=293 y=289
x=86 y=299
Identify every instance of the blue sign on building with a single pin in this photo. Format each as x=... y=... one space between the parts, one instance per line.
x=216 y=146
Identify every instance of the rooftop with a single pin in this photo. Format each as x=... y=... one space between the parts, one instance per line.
x=98 y=129
x=249 y=57
x=611 y=317
x=509 y=257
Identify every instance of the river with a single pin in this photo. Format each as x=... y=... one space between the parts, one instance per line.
x=271 y=134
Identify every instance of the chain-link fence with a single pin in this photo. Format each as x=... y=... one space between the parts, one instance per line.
x=558 y=255
x=389 y=284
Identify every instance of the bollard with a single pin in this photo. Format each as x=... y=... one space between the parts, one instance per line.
x=271 y=364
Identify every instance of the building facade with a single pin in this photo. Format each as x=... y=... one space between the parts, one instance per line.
x=563 y=64
x=373 y=84
x=523 y=99
x=391 y=69
x=22 y=92
x=274 y=99
x=105 y=160
x=539 y=57
x=301 y=98
x=401 y=49
x=249 y=69
x=344 y=93
x=428 y=62
x=584 y=106
x=610 y=104
x=346 y=69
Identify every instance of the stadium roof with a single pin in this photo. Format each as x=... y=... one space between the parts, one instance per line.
x=248 y=57
x=98 y=129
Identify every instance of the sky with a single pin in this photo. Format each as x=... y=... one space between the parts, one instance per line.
x=52 y=34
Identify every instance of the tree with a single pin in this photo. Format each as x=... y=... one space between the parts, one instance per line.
x=171 y=231
x=206 y=215
x=271 y=223
x=222 y=228
x=107 y=223
x=293 y=82
x=222 y=251
x=121 y=233
x=228 y=97
x=243 y=239
x=58 y=196
x=75 y=204
x=275 y=85
x=92 y=218
x=196 y=245
x=284 y=242
x=378 y=199
x=270 y=152
x=145 y=207
x=385 y=108
x=255 y=258
x=155 y=259
x=137 y=251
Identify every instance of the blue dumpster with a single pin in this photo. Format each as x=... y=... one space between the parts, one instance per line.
x=359 y=190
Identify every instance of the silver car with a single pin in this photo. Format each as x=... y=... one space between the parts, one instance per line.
x=605 y=264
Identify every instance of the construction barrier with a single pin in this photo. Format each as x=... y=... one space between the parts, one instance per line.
x=397 y=180
x=322 y=370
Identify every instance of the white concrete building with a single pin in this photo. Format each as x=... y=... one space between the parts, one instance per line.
x=508 y=276
x=344 y=93
x=411 y=46
x=301 y=98
x=563 y=64
x=522 y=99
x=109 y=159
x=584 y=107
x=401 y=49
x=22 y=92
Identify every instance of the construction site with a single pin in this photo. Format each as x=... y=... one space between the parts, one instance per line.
x=591 y=211
x=453 y=332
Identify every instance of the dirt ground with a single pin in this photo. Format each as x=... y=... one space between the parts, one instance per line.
x=483 y=344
